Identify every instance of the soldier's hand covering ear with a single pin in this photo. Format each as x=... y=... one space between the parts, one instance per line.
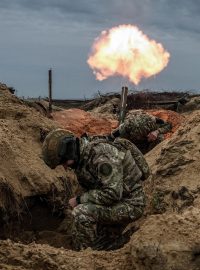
x=152 y=136
x=73 y=202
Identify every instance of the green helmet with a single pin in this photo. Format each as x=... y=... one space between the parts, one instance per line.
x=52 y=146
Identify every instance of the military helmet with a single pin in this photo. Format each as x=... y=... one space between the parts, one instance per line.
x=52 y=149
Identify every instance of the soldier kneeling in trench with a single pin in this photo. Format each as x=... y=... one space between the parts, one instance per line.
x=111 y=177
x=142 y=129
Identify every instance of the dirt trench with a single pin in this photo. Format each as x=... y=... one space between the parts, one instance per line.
x=33 y=198
x=34 y=219
x=40 y=220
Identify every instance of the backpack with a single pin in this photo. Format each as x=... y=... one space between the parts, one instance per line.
x=124 y=145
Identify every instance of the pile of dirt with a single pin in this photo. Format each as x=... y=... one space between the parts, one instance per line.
x=14 y=256
x=163 y=242
x=172 y=117
x=193 y=104
x=169 y=234
x=41 y=105
x=174 y=184
x=168 y=241
x=110 y=108
x=100 y=100
x=32 y=196
x=101 y=122
x=79 y=122
x=33 y=199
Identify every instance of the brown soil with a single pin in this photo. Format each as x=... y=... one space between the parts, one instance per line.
x=32 y=196
x=192 y=105
x=79 y=122
x=103 y=121
x=172 y=117
x=33 y=201
x=175 y=167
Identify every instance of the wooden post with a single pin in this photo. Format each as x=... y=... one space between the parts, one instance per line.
x=50 y=90
x=123 y=104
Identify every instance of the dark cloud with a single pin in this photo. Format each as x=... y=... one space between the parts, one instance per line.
x=166 y=14
x=37 y=34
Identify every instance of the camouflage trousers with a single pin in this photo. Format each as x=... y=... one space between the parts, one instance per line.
x=98 y=226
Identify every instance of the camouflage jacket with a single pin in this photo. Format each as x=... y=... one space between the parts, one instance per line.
x=107 y=174
x=139 y=124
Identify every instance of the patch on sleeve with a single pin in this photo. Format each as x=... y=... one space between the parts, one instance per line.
x=105 y=169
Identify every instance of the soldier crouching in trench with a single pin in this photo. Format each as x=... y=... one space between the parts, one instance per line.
x=142 y=129
x=111 y=177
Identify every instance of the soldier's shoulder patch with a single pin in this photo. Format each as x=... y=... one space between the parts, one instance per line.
x=105 y=169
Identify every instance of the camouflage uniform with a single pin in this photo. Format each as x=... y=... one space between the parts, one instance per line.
x=138 y=125
x=113 y=194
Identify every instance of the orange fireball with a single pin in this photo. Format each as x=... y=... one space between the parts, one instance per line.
x=126 y=51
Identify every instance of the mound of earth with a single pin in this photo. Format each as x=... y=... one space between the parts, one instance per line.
x=172 y=117
x=168 y=237
x=34 y=198
x=111 y=107
x=79 y=122
x=174 y=184
x=163 y=242
x=193 y=104
x=95 y=123
x=101 y=100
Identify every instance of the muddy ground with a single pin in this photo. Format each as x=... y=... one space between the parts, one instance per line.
x=33 y=203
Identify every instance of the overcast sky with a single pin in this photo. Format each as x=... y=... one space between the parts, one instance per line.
x=40 y=34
